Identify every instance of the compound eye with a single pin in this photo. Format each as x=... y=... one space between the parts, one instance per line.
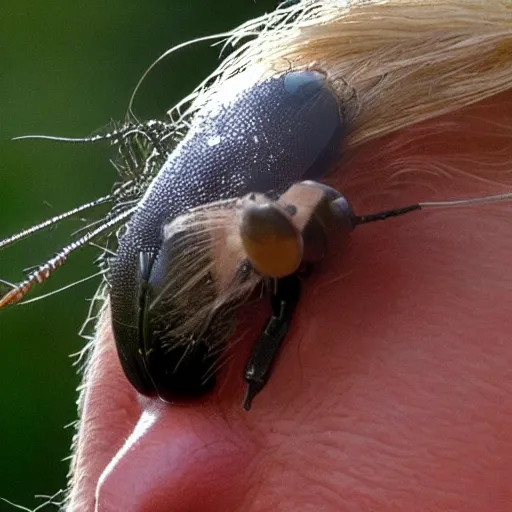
x=271 y=241
x=306 y=84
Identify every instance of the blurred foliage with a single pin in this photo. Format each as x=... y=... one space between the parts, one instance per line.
x=68 y=68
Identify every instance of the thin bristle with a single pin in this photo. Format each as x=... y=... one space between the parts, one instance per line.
x=72 y=140
x=164 y=55
x=63 y=288
x=468 y=202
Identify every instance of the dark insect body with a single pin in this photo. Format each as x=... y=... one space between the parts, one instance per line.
x=231 y=207
x=261 y=140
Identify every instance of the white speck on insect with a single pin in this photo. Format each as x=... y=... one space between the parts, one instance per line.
x=214 y=141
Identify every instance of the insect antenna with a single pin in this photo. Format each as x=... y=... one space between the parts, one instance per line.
x=458 y=203
x=467 y=202
x=54 y=220
x=115 y=135
x=66 y=287
x=164 y=55
x=43 y=272
x=116 y=210
x=72 y=140
x=385 y=214
x=141 y=146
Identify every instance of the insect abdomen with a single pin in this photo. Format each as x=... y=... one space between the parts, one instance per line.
x=263 y=139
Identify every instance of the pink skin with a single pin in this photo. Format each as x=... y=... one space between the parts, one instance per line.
x=394 y=389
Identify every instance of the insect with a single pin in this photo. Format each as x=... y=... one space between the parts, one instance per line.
x=232 y=206
x=261 y=139
x=272 y=134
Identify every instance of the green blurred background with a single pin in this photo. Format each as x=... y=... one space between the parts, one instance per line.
x=68 y=68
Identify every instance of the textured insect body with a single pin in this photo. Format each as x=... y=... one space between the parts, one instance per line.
x=261 y=140
x=225 y=211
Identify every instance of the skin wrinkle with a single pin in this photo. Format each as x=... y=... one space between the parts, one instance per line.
x=368 y=446
x=416 y=155
x=352 y=440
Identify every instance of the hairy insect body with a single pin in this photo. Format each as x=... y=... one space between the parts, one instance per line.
x=280 y=236
x=262 y=140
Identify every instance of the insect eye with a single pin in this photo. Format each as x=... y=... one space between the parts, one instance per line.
x=270 y=239
x=304 y=83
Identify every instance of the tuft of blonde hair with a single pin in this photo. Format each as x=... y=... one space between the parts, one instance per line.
x=402 y=61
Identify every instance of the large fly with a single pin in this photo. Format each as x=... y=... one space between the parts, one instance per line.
x=260 y=139
x=235 y=204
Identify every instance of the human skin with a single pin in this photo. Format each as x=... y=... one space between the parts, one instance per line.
x=394 y=388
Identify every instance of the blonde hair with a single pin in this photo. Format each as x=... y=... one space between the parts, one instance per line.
x=405 y=60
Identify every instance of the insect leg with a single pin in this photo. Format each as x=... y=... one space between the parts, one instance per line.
x=54 y=220
x=259 y=366
x=43 y=272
